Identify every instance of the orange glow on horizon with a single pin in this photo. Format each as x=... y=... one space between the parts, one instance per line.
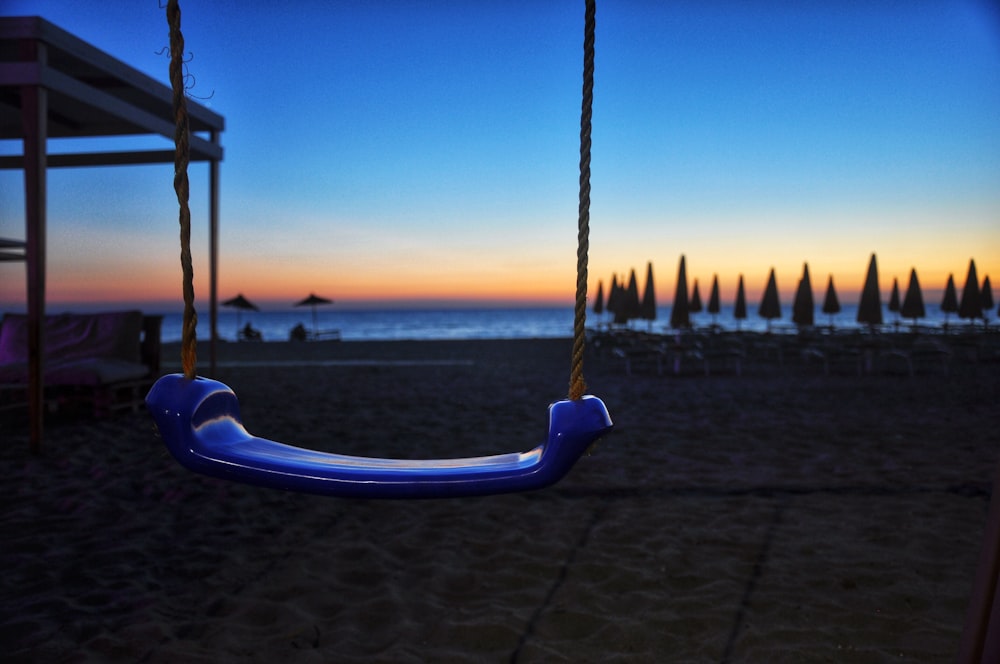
x=470 y=285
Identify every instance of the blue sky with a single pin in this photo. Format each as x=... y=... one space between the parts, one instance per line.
x=428 y=151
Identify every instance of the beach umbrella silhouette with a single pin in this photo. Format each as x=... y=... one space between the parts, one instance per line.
x=647 y=310
x=713 y=299
x=913 y=301
x=611 y=304
x=632 y=304
x=679 y=314
x=893 y=305
x=870 y=306
x=619 y=297
x=312 y=301
x=770 y=307
x=971 y=306
x=740 y=307
x=241 y=304
x=694 y=304
x=831 y=305
x=803 y=307
x=949 y=303
x=986 y=296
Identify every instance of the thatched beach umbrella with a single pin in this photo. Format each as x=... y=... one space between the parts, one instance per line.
x=770 y=307
x=312 y=301
x=913 y=301
x=870 y=306
x=679 y=315
x=713 y=299
x=971 y=306
x=241 y=304
x=647 y=309
x=949 y=303
x=740 y=307
x=831 y=305
x=803 y=307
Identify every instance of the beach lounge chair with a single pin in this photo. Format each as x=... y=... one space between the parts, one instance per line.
x=107 y=361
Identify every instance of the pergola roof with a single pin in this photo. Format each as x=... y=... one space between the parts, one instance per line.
x=55 y=85
x=91 y=94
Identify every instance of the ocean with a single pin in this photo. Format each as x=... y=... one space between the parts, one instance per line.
x=490 y=323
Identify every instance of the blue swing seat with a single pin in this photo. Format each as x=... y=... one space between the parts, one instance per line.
x=200 y=423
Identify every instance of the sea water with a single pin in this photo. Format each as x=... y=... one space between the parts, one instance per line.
x=495 y=323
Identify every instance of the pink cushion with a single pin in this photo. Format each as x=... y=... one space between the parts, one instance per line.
x=68 y=337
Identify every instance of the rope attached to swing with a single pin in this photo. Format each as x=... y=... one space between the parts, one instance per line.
x=577 y=385
x=182 y=155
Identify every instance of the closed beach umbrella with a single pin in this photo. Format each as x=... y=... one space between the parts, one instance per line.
x=770 y=307
x=893 y=305
x=913 y=301
x=648 y=308
x=740 y=307
x=870 y=306
x=611 y=304
x=986 y=296
x=633 y=305
x=241 y=304
x=971 y=306
x=618 y=296
x=694 y=305
x=311 y=302
x=804 y=308
x=713 y=299
x=949 y=303
x=679 y=315
x=831 y=305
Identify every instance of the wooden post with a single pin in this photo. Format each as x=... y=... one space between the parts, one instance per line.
x=34 y=114
x=981 y=636
x=213 y=254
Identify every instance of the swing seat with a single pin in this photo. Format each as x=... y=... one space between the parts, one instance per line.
x=200 y=423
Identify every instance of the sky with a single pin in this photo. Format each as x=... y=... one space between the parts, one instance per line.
x=427 y=151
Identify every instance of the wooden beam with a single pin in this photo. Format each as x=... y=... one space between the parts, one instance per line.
x=36 y=28
x=115 y=158
x=33 y=74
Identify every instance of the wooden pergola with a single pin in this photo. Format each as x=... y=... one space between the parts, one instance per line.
x=55 y=85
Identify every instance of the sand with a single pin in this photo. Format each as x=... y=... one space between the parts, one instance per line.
x=783 y=515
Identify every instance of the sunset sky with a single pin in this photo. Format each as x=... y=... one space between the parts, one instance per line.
x=427 y=151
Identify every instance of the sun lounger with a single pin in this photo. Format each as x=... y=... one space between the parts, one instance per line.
x=107 y=360
x=324 y=335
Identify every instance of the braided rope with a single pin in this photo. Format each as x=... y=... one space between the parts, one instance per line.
x=182 y=155
x=577 y=385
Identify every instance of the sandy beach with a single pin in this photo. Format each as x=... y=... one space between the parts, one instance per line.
x=781 y=515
